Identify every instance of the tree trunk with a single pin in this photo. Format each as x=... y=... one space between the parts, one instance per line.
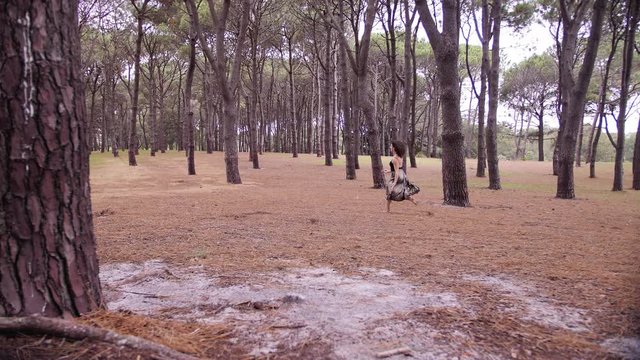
x=446 y=51
x=407 y=88
x=627 y=65
x=394 y=127
x=349 y=133
x=292 y=91
x=227 y=84
x=188 y=111
x=580 y=139
x=326 y=99
x=414 y=88
x=573 y=112
x=153 y=106
x=133 y=135
x=492 y=116
x=48 y=262
x=636 y=161
x=335 y=124
x=541 y=132
x=594 y=147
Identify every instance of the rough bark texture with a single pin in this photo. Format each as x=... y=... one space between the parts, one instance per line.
x=446 y=51
x=292 y=105
x=227 y=83
x=326 y=99
x=636 y=161
x=573 y=111
x=541 y=131
x=349 y=136
x=627 y=64
x=492 y=115
x=133 y=136
x=188 y=111
x=360 y=68
x=406 y=100
x=48 y=263
x=394 y=124
x=484 y=69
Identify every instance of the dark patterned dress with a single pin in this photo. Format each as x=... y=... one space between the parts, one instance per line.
x=403 y=189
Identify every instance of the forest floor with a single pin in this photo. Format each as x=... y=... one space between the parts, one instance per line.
x=298 y=262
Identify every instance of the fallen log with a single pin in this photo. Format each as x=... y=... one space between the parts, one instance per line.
x=38 y=325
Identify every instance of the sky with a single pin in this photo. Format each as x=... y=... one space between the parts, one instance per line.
x=516 y=47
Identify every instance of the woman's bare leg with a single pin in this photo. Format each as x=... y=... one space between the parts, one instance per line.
x=388 y=205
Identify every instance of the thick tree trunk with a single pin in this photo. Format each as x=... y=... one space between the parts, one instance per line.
x=326 y=99
x=579 y=147
x=153 y=107
x=292 y=111
x=406 y=100
x=103 y=135
x=492 y=116
x=445 y=48
x=335 y=124
x=627 y=64
x=636 y=161
x=541 y=132
x=594 y=146
x=188 y=111
x=414 y=88
x=394 y=127
x=133 y=135
x=573 y=111
x=48 y=263
x=373 y=130
x=227 y=84
x=349 y=133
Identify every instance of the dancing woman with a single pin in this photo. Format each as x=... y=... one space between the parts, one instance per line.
x=398 y=187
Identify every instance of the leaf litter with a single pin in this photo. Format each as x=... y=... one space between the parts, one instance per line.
x=357 y=316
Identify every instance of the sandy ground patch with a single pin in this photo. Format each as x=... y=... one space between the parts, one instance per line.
x=518 y=274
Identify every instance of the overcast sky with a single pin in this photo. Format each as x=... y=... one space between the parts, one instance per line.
x=515 y=48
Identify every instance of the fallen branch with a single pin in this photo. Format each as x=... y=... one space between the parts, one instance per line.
x=384 y=354
x=73 y=330
x=291 y=326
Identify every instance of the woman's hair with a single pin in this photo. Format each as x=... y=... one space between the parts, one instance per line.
x=398 y=147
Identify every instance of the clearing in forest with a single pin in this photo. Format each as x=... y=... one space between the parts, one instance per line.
x=299 y=262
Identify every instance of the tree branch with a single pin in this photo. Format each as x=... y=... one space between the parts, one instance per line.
x=435 y=37
x=73 y=330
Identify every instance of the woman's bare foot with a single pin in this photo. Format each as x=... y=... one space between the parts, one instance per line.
x=413 y=201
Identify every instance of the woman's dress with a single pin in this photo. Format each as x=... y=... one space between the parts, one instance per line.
x=403 y=188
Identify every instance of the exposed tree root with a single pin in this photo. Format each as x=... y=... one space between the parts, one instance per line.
x=73 y=330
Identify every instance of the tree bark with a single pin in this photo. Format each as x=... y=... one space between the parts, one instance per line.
x=188 y=111
x=573 y=111
x=292 y=91
x=541 y=131
x=627 y=64
x=326 y=98
x=484 y=34
x=360 y=68
x=636 y=161
x=349 y=133
x=493 y=84
x=407 y=89
x=133 y=135
x=48 y=263
x=228 y=84
x=446 y=51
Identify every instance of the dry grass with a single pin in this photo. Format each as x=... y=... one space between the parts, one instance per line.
x=298 y=213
